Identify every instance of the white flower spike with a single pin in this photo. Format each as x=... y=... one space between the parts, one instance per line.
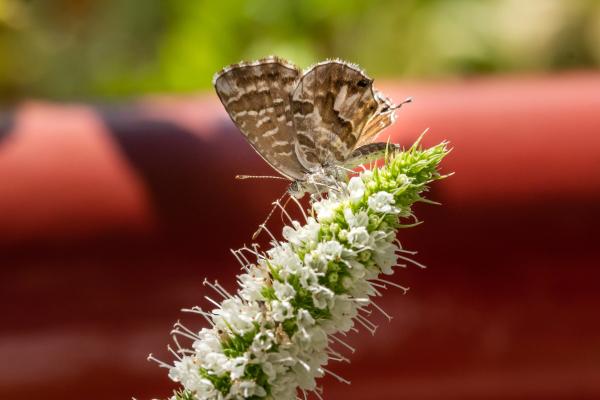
x=272 y=339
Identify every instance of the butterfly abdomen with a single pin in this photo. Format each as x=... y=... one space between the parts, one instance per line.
x=370 y=152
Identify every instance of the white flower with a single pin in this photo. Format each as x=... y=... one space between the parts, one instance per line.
x=283 y=291
x=357 y=269
x=347 y=282
x=252 y=284
x=302 y=235
x=186 y=372
x=207 y=342
x=343 y=312
x=242 y=389
x=215 y=362
x=270 y=370
x=385 y=257
x=356 y=220
x=181 y=370
x=316 y=261
x=356 y=187
x=262 y=342
x=381 y=237
x=310 y=340
x=236 y=315
x=321 y=296
x=359 y=237
x=304 y=319
x=403 y=180
x=281 y=310
x=382 y=202
x=304 y=375
x=330 y=250
x=325 y=209
x=361 y=289
x=283 y=255
x=236 y=367
x=284 y=387
x=308 y=277
x=308 y=366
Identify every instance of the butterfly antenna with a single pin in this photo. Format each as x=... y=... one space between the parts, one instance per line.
x=259 y=177
x=263 y=226
x=406 y=101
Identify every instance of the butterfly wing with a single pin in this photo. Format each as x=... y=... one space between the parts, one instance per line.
x=256 y=96
x=383 y=117
x=331 y=105
x=364 y=150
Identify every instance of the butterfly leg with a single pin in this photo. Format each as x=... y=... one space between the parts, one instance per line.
x=283 y=210
x=263 y=226
x=295 y=200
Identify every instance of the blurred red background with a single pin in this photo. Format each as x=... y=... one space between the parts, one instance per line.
x=112 y=216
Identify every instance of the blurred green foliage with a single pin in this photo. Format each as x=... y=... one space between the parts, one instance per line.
x=105 y=49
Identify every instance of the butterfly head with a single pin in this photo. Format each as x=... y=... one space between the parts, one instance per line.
x=297 y=189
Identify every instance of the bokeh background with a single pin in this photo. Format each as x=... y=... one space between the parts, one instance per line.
x=91 y=49
x=117 y=195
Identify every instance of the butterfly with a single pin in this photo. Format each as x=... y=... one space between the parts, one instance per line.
x=308 y=125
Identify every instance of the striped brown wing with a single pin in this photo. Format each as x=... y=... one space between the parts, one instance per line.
x=331 y=105
x=383 y=117
x=257 y=97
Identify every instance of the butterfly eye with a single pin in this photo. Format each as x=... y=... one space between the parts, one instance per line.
x=363 y=83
